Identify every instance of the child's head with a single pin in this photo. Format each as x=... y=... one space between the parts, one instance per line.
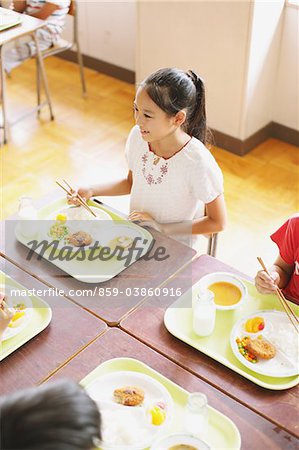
x=179 y=94
x=57 y=416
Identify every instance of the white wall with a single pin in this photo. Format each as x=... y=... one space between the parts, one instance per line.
x=238 y=47
x=286 y=95
x=264 y=38
x=210 y=37
x=107 y=31
x=247 y=52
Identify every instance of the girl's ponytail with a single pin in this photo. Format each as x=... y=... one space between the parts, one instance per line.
x=197 y=122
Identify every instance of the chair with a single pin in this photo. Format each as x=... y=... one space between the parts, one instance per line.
x=61 y=46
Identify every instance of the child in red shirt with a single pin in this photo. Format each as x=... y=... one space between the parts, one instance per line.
x=285 y=270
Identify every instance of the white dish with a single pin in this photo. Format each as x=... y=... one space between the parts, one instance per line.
x=12 y=301
x=127 y=427
x=79 y=219
x=134 y=235
x=284 y=364
x=166 y=442
x=217 y=277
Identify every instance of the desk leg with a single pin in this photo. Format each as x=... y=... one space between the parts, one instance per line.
x=41 y=68
x=3 y=95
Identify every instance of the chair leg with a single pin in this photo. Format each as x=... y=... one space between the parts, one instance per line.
x=81 y=67
x=38 y=87
x=43 y=75
x=3 y=96
x=214 y=247
x=210 y=244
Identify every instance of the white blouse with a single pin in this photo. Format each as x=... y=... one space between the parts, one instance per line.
x=174 y=189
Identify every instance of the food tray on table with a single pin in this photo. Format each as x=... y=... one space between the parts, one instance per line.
x=178 y=321
x=96 y=270
x=38 y=319
x=8 y=19
x=222 y=433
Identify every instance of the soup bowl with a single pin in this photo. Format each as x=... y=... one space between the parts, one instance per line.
x=230 y=292
x=179 y=439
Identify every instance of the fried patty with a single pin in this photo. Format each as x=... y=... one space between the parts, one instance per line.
x=261 y=348
x=129 y=396
x=79 y=239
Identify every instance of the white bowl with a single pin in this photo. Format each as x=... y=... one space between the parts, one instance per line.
x=227 y=277
x=101 y=390
x=169 y=441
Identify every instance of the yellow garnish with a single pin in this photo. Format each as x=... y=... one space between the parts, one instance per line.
x=61 y=217
x=158 y=415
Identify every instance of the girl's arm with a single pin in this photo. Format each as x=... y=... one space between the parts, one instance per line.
x=213 y=222
x=280 y=276
x=121 y=187
x=45 y=11
x=19 y=5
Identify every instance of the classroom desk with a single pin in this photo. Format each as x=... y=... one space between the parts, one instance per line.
x=70 y=330
x=142 y=274
x=146 y=324
x=28 y=27
x=256 y=432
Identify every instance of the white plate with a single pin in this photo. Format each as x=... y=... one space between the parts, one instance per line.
x=122 y=230
x=79 y=219
x=120 y=418
x=11 y=302
x=282 y=365
x=217 y=277
x=166 y=442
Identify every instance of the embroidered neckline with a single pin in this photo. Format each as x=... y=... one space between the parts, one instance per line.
x=157 y=157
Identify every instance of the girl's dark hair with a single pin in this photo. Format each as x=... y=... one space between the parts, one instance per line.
x=56 y=416
x=173 y=90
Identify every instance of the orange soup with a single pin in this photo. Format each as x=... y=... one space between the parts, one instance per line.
x=226 y=294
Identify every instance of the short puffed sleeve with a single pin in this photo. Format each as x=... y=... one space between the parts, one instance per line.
x=206 y=177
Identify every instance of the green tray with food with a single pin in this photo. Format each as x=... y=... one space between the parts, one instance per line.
x=91 y=247
x=251 y=333
x=31 y=315
x=142 y=409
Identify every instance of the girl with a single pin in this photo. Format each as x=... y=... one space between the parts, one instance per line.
x=175 y=184
x=53 y=12
x=285 y=269
x=57 y=415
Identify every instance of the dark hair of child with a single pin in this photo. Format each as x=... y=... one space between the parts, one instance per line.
x=174 y=90
x=54 y=416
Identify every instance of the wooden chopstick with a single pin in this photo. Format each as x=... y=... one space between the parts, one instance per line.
x=290 y=313
x=80 y=198
x=82 y=203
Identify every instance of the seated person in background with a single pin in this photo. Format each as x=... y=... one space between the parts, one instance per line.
x=6 y=314
x=57 y=416
x=53 y=12
x=285 y=270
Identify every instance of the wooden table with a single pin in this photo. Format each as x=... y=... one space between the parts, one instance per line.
x=70 y=330
x=146 y=324
x=256 y=432
x=142 y=274
x=28 y=27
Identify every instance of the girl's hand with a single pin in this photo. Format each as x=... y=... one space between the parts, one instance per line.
x=266 y=284
x=85 y=193
x=145 y=219
x=6 y=314
x=137 y=216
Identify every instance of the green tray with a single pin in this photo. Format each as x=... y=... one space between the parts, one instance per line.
x=40 y=319
x=90 y=271
x=223 y=433
x=178 y=321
